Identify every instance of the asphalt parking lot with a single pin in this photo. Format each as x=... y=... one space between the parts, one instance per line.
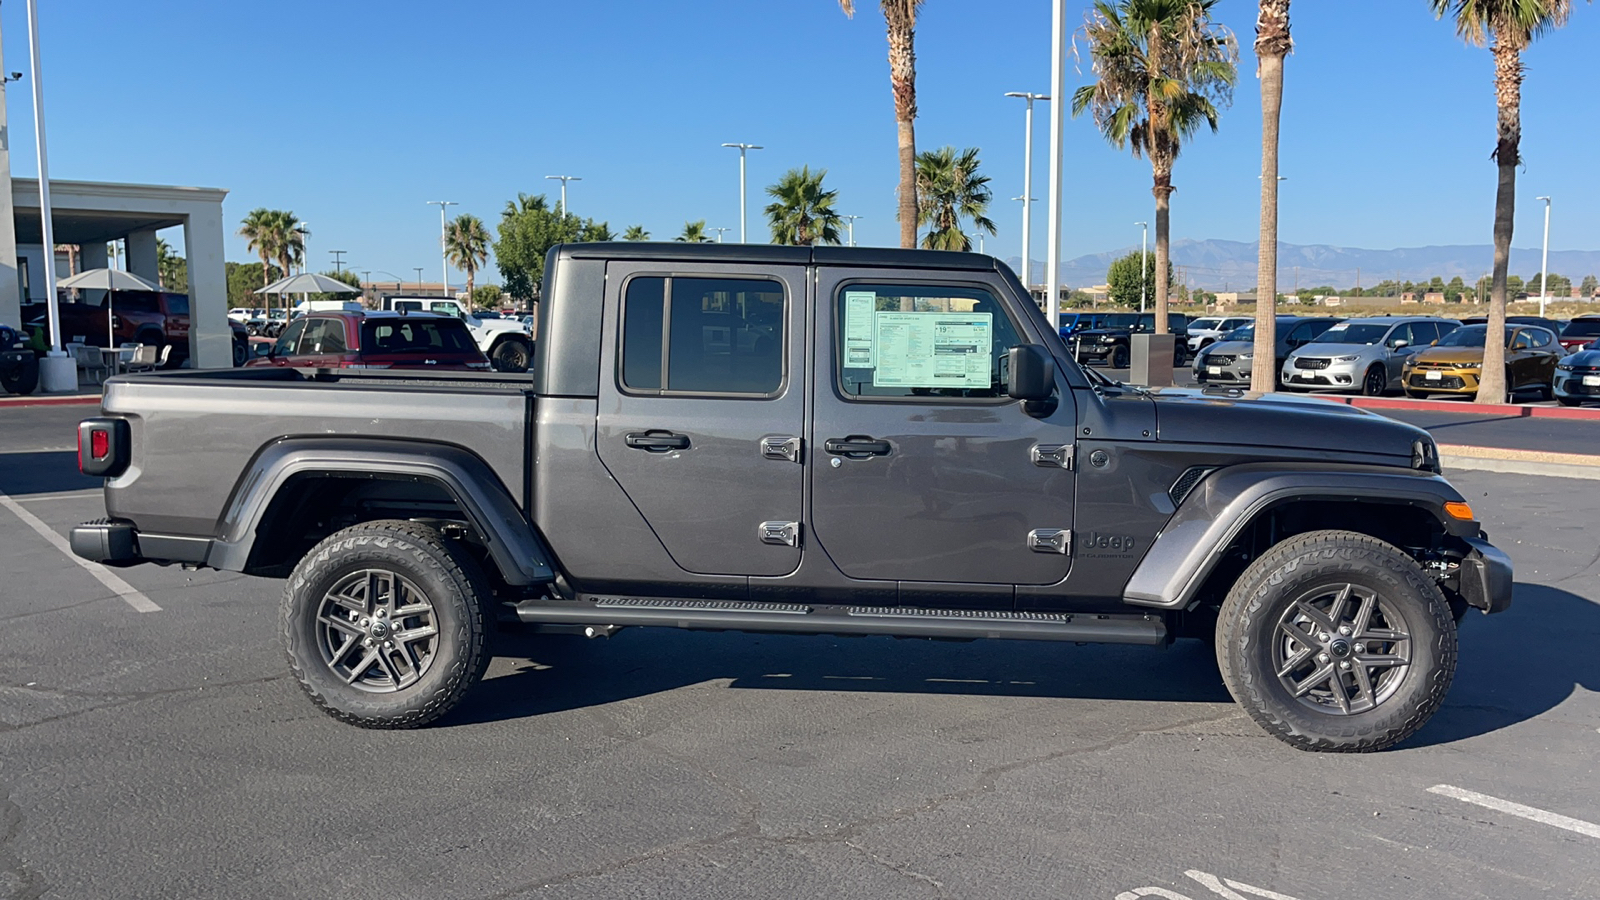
x=166 y=753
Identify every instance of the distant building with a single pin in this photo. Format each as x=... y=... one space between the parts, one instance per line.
x=1408 y=297
x=1331 y=301
x=1434 y=297
x=1233 y=298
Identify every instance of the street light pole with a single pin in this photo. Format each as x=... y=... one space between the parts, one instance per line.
x=851 y=224
x=1027 y=182
x=742 y=148
x=719 y=232
x=1058 y=122
x=305 y=249
x=1544 y=263
x=1144 y=253
x=563 y=179
x=444 y=255
x=419 y=276
x=45 y=223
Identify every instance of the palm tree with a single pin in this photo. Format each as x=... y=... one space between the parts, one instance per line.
x=694 y=233
x=948 y=189
x=466 y=246
x=526 y=203
x=636 y=233
x=901 y=16
x=258 y=228
x=291 y=242
x=802 y=212
x=1162 y=69
x=171 y=270
x=1508 y=27
x=1273 y=43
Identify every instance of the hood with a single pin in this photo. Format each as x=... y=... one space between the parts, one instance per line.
x=1582 y=359
x=1332 y=350
x=1229 y=348
x=1449 y=355
x=1282 y=420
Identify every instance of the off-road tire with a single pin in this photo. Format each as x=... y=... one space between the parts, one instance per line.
x=1119 y=357
x=23 y=378
x=511 y=355
x=453 y=583
x=1249 y=622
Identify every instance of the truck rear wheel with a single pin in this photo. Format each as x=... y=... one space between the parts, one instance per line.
x=511 y=355
x=22 y=378
x=384 y=625
x=1337 y=641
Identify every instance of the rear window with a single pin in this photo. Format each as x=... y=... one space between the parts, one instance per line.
x=1582 y=328
x=416 y=335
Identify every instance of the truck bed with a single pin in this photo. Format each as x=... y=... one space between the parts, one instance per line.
x=194 y=432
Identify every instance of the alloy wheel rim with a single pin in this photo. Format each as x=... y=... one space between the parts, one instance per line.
x=1341 y=649
x=377 y=631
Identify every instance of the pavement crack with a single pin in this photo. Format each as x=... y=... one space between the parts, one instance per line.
x=115 y=699
x=906 y=871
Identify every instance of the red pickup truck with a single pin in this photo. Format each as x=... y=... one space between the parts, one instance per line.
x=144 y=317
x=375 y=340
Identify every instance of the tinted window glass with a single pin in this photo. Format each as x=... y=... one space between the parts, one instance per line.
x=723 y=335
x=1521 y=341
x=921 y=341
x=1424 y=333
x=1402 y=333
x=134 y=302
x=1542 y=338
x=177 y=305
x=323 y=336
x=1582 y=328
x=1353 y=333
x=415 y=335
x=288 y=339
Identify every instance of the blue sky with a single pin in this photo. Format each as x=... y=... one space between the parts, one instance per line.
x=1388 y=122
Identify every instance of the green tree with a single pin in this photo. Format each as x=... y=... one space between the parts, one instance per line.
x=1162 y=68
x=950 y=189
x=1124 y=279
x=1589 y=286
x=1273 y=45
x=172 y=270
x=1454 y=290
x=264 y=230
x=694 y=233
x=901 y=17
x=802 y=212
x=1436 y=285
x=636 y=233
x=466 y=246
x=244 y=278
x=1560 y=285
x=529 y=227
x=1507 y=27
x=487 y=296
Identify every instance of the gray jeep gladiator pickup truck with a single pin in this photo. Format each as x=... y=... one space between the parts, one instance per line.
x=793 y=439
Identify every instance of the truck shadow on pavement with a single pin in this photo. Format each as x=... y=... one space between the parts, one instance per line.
x=1519 y=664
x=43 y=472
x=555 y=673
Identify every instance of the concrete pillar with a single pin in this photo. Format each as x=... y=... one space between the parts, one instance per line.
x=90 y=256
x=10 y=284
x=142 y=256
x=210 y=337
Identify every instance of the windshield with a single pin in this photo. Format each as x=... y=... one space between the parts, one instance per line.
x=1582 y=328
x=1204 y=324
x=1242 y=333
x=416 y=336
x=1469 y=336
x=1353 y=333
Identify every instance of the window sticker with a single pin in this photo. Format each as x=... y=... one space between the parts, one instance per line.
x=859 y=310
x=933 y=349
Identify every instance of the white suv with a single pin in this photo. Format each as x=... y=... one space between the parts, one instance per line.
x=1209 y=330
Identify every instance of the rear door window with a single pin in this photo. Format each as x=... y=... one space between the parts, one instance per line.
x=415 y=335
x=703 y=336
x=323 y=336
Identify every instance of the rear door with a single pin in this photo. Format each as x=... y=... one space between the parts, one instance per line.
x=924 y=471
x=702 y=408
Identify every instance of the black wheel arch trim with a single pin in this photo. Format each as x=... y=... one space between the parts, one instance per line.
x=516 y=548
x=1219 y=508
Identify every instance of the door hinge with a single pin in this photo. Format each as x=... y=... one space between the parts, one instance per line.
x=1052 y=456
x=1050 y=540
x=783 y=533
x=781 y=447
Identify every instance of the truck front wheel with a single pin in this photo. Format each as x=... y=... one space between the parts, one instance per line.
x=511 y=355
x=384 y=625
x=1337 y=641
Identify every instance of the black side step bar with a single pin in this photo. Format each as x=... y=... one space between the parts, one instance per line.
x=741 y=615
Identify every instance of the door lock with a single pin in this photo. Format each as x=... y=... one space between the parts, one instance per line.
x=786 y=534
x=781 y=447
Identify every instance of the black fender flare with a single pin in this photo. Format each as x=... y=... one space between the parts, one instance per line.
x=516 y=548
x=1225 y=501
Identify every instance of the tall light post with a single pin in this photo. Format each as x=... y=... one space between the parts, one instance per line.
x=45 y=223
x=444 y=254
x=742 y=148
x=719 y=232
x=1544 y=263
x=850 y=223
x=1144 y=253
x=1058 y=124
x=305 y=245
x=563 y=179
x=1027 y=182
x=419 y=276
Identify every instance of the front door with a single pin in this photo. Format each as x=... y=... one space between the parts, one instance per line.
x=702 y=409
x=924 y=470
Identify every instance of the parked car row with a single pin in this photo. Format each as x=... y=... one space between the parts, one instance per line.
x=1107 y=338
x=343 y=339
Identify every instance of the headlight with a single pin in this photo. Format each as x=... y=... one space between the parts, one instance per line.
x=1470 y=366
x=1564 y=366
x=1345 y=358
x=1244 y=357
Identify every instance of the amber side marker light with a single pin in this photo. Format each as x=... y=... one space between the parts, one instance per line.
x=1459 y=510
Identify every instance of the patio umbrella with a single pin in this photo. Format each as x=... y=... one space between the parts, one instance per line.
x=307 y=283
x=108 y=280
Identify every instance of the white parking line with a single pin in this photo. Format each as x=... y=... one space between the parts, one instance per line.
x=65 y=495
x=121 y=588
x=1517 y=809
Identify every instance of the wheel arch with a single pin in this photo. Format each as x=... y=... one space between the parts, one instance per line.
x=299 y=490
x=1234 y=514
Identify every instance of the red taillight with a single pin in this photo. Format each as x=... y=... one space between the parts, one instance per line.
x=100 y=443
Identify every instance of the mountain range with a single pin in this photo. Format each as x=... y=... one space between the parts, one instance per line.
x=1217 y=265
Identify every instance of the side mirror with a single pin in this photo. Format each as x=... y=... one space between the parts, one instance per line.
x=1032 y=374
x=1399 y=344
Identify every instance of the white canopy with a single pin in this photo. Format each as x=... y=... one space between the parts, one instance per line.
x=308 y=283
x=107 y=280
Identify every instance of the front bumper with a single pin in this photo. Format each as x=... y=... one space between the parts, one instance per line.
x=1336 y=377
x=1238 y=370
x=1570 y=384
x=1450 y=381
x=1486 y=577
